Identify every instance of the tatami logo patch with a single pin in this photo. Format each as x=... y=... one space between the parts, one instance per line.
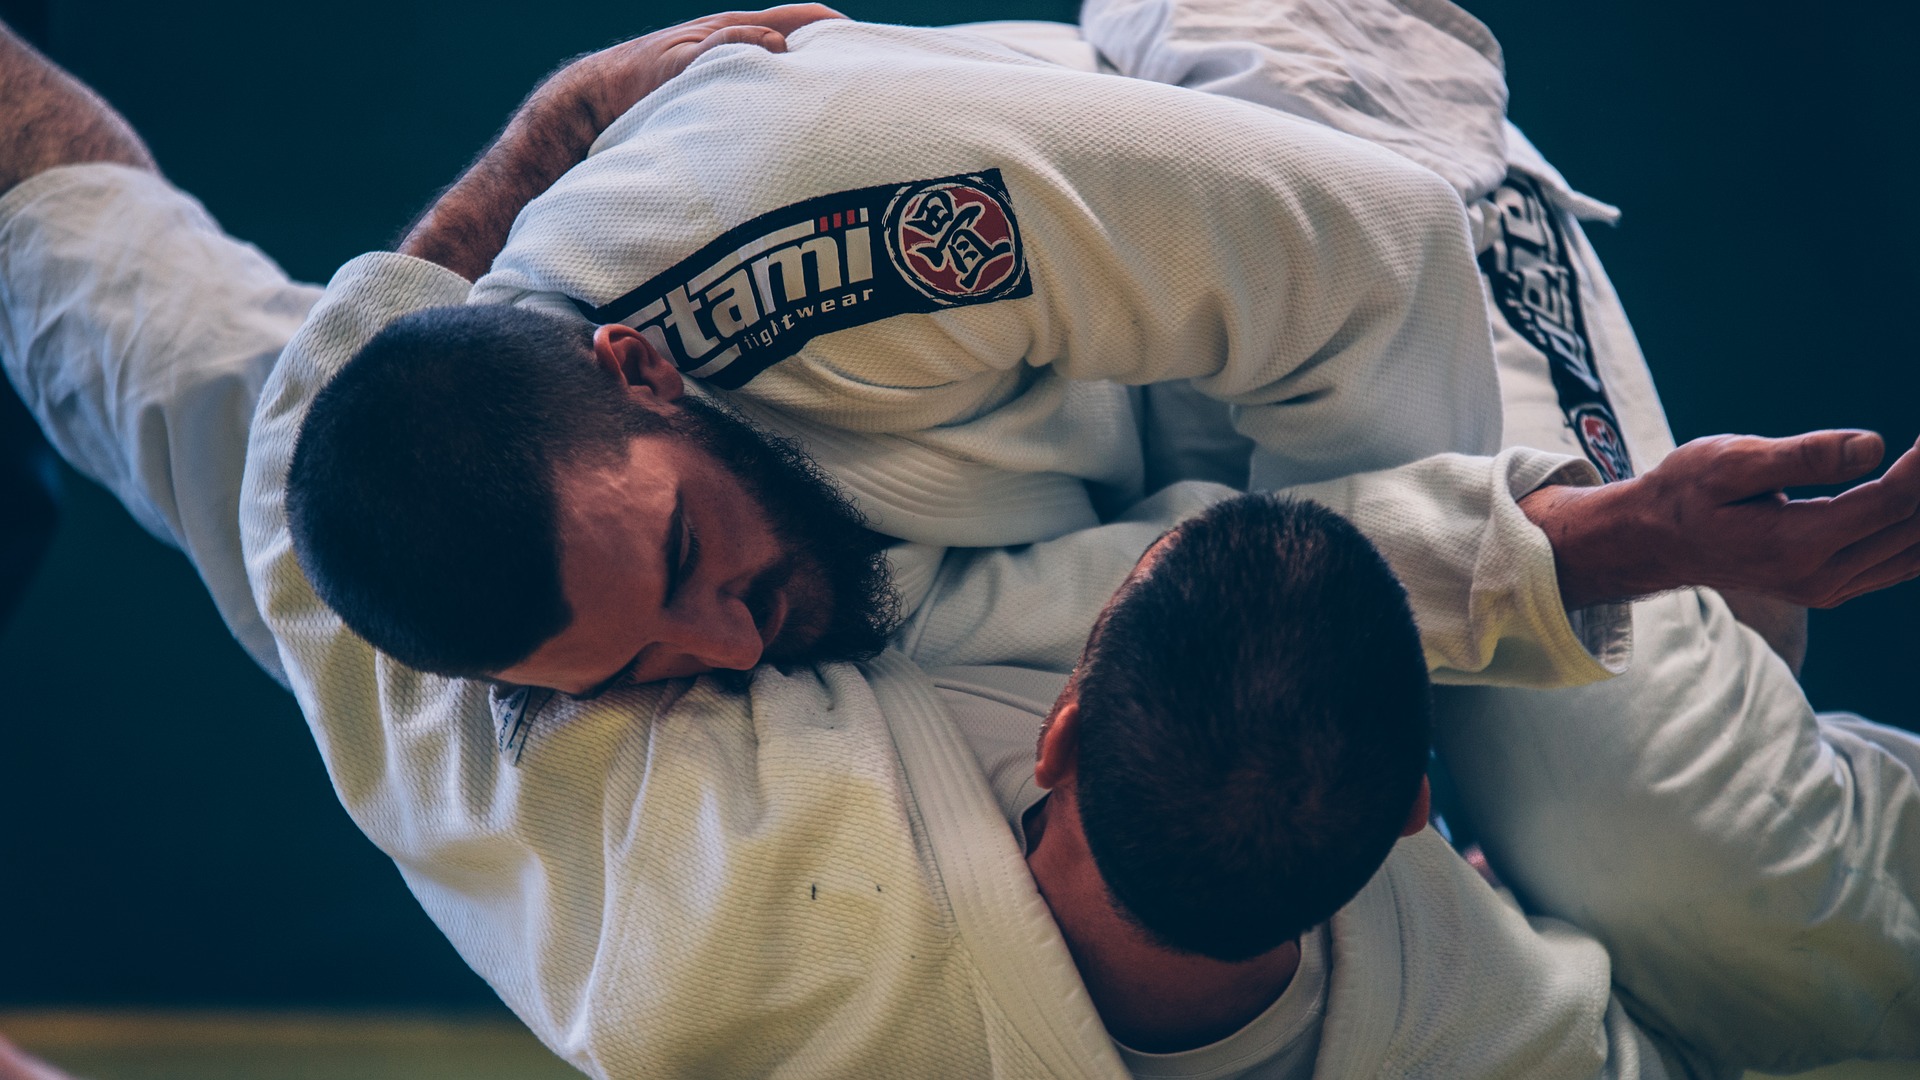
x=955 y=240
x=762 y=290
x=1600 y=437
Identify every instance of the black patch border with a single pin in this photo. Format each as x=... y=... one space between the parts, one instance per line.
x=1579 y=395
x=513 y=713
x=779 y=330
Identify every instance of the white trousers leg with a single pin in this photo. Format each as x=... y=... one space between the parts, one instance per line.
x=1750 y=866
x=139 y=334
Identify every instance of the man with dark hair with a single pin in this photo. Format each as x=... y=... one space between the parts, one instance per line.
x=1298 y=706
x=1222 y=784
x=440 y=541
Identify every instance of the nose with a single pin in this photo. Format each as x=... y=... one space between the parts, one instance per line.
x=723 y=636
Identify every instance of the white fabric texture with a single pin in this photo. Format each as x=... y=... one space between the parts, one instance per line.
x=1419 y=77
x=139 y=335
x=1314 y=279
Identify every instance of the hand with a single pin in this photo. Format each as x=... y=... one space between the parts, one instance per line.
x=1715 y=513
x=609 y=82
x=553 y=129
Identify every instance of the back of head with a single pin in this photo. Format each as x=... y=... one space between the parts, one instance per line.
x=421 y=496
x=1253 y=728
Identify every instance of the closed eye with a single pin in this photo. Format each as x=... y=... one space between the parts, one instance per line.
x=678 y=553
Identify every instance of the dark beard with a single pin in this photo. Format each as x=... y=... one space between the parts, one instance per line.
x=826 y=534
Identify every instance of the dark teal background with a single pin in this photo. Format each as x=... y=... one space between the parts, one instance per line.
x=169 y=835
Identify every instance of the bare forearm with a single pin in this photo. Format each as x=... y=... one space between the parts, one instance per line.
x=553 y=130
x=467 y=226
x=1599 y=543
x=48 y=118
x=1603 y=551
x=1716 y=513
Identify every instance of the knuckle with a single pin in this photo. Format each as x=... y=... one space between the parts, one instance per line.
x=1813 y=453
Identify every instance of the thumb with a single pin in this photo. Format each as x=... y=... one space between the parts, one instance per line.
x=1748 y=465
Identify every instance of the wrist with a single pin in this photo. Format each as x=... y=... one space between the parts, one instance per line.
x=1603 y=552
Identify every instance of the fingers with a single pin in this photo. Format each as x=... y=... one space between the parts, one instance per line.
x=764 y=36
x=1736 y=467
x=1893 y=498
x=790 y=17
x=1887 y=573
x=1875 y=561
x=783 y=20
x=768 y=29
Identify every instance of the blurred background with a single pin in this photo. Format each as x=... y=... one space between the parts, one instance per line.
x=171 y=840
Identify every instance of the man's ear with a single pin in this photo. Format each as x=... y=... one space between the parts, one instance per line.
x=627 y=353
x=1422 y=810
x=1059 y=754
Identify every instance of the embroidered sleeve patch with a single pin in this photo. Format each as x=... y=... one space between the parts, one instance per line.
x=762 y=290
x=1530 y=271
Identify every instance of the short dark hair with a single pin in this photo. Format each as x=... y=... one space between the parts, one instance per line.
x=1253 y=727
x=421 y=497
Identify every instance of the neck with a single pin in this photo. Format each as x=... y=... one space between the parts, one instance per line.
x=1150 y=997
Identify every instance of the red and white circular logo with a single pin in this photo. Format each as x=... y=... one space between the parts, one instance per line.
x=1600 y=437
x=955 y=240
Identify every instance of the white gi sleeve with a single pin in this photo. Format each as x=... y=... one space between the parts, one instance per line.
x=1480 y=576
x=1033 y=606
x=1324 y=285
x=1500 y=625
x=139 y=334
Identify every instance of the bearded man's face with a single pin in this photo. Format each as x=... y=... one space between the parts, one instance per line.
x=711 y=546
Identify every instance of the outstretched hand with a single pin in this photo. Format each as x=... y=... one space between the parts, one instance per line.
x=1715 y=513
x=553 y=129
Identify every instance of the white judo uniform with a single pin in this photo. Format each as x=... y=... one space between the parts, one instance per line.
x=563 y=849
